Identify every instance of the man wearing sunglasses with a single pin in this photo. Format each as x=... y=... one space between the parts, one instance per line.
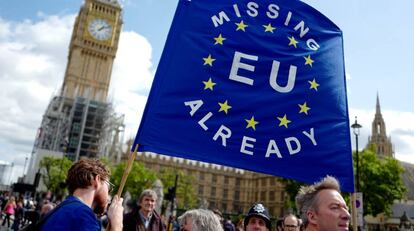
x=89 y=188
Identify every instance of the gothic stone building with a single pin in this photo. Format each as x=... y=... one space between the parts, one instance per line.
x=228 y=189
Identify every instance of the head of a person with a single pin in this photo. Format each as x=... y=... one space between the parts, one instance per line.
x=46 y=208
x=218 y=214
x=291 y=223
x=90 y=173
x=322 y=206
x=257 y=219
x=200 y=220
x=147 y=201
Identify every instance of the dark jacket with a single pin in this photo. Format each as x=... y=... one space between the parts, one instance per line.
x=133 y=222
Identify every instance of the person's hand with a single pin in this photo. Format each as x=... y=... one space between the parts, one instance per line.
x=115 y=214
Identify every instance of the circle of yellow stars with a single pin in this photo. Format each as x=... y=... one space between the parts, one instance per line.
x=225 y=106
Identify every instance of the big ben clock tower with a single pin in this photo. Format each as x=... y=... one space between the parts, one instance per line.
x=80 y=122
x=92 y=50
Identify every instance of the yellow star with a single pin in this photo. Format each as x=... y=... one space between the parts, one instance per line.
x=313 y=84
x=209 y=84
x=251 y=123
x=219 y=40
x=269 y=28
x=241 y=26
x=304 y=108
x=283 y=121
x=224 y=107
x=308 y=60
x=209 y=60
x=293 y=42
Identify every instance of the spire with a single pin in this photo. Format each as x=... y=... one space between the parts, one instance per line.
x=378 y=108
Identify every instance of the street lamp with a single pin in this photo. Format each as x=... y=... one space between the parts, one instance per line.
x=355 y=127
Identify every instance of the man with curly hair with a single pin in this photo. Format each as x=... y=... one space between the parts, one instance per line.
x=89 y=188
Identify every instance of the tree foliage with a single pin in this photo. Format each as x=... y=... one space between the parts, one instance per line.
x=54 y=170
x=185 y=194
x=380 y=181
x=291 y=188
x=139 y=178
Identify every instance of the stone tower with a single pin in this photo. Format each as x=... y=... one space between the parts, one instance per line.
x=379 y=136
x=92 y=50
x=80 y=122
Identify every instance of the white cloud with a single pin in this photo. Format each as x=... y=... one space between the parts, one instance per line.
x=131 y=79
x=33 y=57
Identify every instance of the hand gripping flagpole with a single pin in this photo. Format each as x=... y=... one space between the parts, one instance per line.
x=127 y=170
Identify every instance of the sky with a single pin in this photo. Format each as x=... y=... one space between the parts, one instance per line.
x=35 y=35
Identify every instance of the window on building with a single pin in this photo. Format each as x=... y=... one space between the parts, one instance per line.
x=200 y=190
x=213 y=191
x=226 y=179
x=263 y=181
x=272 y=195
x=237 y=195
x=263 y=196
x=238 y=182
x=214 y=178
x=273 y=181
x=201 y=176
x=225 y=193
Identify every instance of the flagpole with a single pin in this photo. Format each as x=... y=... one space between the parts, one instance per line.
x=354 y=212
x=127 y=170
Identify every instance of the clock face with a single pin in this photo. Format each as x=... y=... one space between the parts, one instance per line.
x=100 y=29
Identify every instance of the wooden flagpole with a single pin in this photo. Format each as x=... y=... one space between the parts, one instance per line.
x=127 y=171
x=354 y=212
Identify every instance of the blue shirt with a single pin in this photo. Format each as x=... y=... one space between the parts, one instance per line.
x=72 y=216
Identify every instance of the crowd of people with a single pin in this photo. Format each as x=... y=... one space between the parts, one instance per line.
x=19 y=212
x=89 y=207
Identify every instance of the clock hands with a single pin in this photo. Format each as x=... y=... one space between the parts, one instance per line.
x=103 y=27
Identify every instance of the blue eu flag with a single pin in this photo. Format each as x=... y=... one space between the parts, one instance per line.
x=257 y=85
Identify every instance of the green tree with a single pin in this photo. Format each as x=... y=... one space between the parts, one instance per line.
x=380 y=181
x=291 y=188
x=139 y=178
x=54 y=172
x=185 y=194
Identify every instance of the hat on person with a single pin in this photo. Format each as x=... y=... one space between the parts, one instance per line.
x=258 y=210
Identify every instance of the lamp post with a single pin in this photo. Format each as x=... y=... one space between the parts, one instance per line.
x=355 y=127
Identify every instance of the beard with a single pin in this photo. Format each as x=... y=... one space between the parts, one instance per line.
x=100 y=203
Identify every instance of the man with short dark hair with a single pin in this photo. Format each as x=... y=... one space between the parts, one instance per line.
x=322 y=206
x=89 y=186
x=257 y=219
x=144 y=217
